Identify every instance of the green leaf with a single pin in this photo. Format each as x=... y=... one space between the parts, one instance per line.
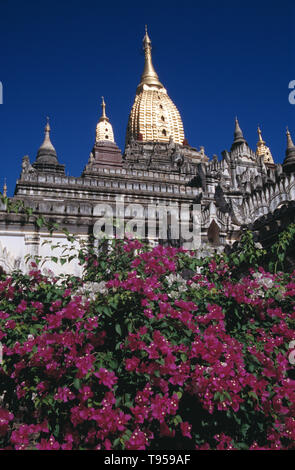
x=242 y=446
x=116 y=442
x=77 y=384
x=177 y=420
x=40 y=221
x=244 y=429
x=118 y=329
x=217 y=396
x=253 y=394
x=226 y=395
x=56 y=430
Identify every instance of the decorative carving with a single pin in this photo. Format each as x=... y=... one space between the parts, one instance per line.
x=91 y=159
x=177 y=158
x=7 y=261
x=237 y=213
x=26 y=166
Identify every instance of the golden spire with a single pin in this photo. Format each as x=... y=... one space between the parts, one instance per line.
x=262 y=149
x=149 y=75
x=260 y=140
x=153 y=117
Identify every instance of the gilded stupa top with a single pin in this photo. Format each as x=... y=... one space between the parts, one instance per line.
x=149 y=75
x=153 y=117
x=263 y=150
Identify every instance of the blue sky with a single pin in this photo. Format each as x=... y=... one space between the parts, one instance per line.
x=217 y=59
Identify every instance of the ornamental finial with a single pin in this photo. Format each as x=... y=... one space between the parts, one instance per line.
x=47 y=126
x=47 y=142
x=103 y=106
x=149 y=76
x=260 y=139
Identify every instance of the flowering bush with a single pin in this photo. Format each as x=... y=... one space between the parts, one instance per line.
x=153 y=348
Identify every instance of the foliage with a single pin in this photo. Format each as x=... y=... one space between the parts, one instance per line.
x=152 y=348
x=280 y=249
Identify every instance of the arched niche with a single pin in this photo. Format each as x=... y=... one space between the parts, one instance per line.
x=213 y=234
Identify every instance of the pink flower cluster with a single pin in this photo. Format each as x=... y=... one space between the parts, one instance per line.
x=121 y=370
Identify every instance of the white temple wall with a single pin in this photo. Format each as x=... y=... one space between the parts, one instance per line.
x=16 y=245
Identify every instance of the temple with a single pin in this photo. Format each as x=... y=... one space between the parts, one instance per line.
x=242 y=189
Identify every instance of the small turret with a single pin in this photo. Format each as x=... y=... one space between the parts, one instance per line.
x=104 y=129
x=238 y=136
x=105 y=153
x=46 y=159
x=289 y=162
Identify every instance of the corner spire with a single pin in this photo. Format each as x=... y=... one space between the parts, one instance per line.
x=290 y=144
x=289 y=162
x=238 y=135
x=46 y=159
x=149 y=75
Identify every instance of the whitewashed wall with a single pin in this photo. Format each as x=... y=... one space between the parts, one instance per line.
x=14 y=246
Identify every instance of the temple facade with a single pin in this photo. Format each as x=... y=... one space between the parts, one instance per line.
x=245 y=188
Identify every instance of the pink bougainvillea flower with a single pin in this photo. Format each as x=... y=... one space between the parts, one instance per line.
x=48 y=444
x=5 y=418
x=107 y=378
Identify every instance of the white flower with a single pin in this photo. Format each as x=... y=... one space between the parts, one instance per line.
x=173 y=294
x=267 y=282
x=263 y=281
x=194 y=285
x=89 y=290
x=176 y=279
